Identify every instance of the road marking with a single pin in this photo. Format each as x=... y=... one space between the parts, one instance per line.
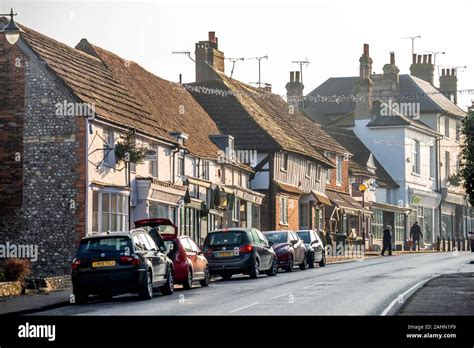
x=278 y=296
x=312 y=285
x=250 y=305
x=390 y=306
x=334 y=279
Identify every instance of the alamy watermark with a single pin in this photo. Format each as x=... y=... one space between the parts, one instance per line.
x=237 y=156
x=20 y=251
x=75 y=109
x=392 y=108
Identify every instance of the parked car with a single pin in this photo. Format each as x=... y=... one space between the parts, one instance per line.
x=114 y=263
x=189 y=263
x=315 y=251
x=239 y=250
x=289 y=248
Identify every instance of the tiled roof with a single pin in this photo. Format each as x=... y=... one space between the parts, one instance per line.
x=340 y=92
x=361 y=154
x=262 y=120
x=124 y=93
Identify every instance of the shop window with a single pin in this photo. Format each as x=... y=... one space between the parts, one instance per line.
x=109 y=212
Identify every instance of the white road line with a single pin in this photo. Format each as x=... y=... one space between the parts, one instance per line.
x=312 y=285
x=394 y=302
x=278 y=296
x=334 y=279
x=250 y=305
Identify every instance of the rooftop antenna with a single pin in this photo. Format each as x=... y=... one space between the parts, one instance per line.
x=234 y=60
x=187 y=53
x=301 y=63
x=412 y=38
x=259 y=74
x=435 y=53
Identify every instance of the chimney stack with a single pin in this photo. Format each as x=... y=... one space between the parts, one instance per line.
x=294 y=91
x=448 y=84
x=208 y=58
x=365 y=64
x=391 y=74
x=422 y=67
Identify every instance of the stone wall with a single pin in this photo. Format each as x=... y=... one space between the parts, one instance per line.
x=53 y=156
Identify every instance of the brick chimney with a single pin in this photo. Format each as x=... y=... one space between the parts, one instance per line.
x=208 y=57
x=390 y=73
x=294 y=91
x=448 y=84
x=422 y=67
x=364 y=86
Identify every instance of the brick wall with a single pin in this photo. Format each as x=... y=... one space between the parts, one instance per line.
x=345 y=177
x=293 y=213
x=52 y=178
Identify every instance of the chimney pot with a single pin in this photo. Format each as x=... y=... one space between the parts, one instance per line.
x=453 y=72
x=425 y=58
x=212 y=36
x=392 y=58
x=414 y=58
x=429 y=58
x=366 y=50
x=297 y=76
x=443 y=72
x=418 y=60
x=292 y=76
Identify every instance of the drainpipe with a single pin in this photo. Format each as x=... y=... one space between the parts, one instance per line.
x=438 y=173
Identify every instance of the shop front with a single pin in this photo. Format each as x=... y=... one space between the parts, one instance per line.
x=312 y=210
x=425 y=210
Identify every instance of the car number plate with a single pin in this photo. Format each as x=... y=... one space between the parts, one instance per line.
x=225 y=253
x=103 y=264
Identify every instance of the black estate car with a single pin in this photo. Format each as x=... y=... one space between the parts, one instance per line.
x=315 y=251
x=114 y=263
x=239 y=250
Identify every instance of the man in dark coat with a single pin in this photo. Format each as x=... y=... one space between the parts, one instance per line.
x=387 y=240
x=416 y=235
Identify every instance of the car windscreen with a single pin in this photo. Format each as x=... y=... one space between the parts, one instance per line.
x=227 y=238
x=304 y=235
x=277 y=237
x=120 y=244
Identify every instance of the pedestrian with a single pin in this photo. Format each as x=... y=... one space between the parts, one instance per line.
x=471 y=237
x=387 y=240
x=416 y=235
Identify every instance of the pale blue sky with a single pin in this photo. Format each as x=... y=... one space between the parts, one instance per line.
x=330 y=34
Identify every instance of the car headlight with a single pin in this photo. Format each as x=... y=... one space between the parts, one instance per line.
x=283 y=250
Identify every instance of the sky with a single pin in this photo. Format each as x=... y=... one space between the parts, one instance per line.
x=328 y=33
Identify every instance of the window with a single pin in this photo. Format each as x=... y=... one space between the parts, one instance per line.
x=235 y=210
x=153 y=163
x=308 y=169
x=109 y=148
x=284 y=210
x=399 y=226
x=377 y=224
x=432 y=162
x=415 y=156
x=338 y=170
x=205 y=170
x=243 y=214
x=304 y=215
x=328 y=178
x=447 y=164
x=255 y=216
x=318 y=172
x=427 y=227
x=446 y=126
x=181 y=164
x=157 y=210
x=284 y=162
x=109 y=212
x=186 y=245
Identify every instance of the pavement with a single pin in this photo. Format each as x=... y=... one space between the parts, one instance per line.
x=448 y=294
x=371 y=286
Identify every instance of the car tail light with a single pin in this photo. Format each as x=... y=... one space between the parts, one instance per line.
x=129 y=260
x=75 y=264
x=245 y=249
x=208 y=251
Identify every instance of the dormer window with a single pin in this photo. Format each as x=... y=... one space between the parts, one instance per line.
x=284 y=162
x=180 y=138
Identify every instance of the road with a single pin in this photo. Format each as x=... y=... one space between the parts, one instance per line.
x=367 y=287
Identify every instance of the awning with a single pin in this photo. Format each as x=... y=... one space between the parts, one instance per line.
x=199 y=182
x=149 y=188
x=322 y=198
x=245 y=194
x=287 y=188
x=424 y=198
x=345 y=202
x=455 y=198
x=390 y=207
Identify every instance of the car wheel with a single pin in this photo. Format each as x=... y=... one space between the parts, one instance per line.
x=322 y=263
x=188 y=283
x=168 y=288
x=80 y=297
x=274 y=268
x=226 y=276
x=304 y=264
x=255 y=271
x=146 y=289
x=290 y=264
x=311 y=260
x=207 y=278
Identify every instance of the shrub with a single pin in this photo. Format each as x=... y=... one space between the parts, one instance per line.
x=16 y=269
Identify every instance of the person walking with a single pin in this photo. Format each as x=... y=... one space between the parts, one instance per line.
x=387 y=240
x=416 y=235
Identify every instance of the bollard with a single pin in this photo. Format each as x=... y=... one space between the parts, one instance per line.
x=444 y=244
x=438 y=247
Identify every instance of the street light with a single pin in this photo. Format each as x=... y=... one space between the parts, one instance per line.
x=363 y=188
x=11 y=30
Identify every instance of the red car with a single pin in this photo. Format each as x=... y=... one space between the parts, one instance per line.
x=289 y=248
x=189 y=263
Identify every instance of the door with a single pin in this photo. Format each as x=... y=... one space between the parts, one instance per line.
x=156 y=258
x=266 y=249
x=190 y=254
x=300 y=249
x=199 y=261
